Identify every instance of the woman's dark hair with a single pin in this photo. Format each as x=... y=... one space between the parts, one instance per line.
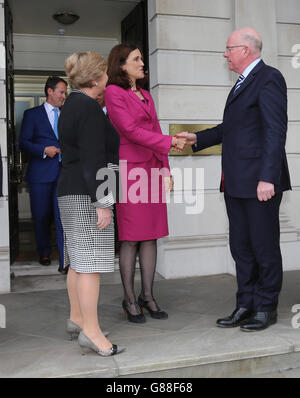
x=116 y=59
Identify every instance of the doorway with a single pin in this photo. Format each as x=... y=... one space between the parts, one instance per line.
x=26 y=90
x=28 y=93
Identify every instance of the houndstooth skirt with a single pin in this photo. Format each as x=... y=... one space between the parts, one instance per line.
x=86 y=248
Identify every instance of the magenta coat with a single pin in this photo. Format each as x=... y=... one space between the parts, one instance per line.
x=142 y=211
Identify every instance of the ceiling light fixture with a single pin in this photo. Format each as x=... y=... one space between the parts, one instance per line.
x=65 y=18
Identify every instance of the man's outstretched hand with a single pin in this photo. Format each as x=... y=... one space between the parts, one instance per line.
x=191 y=138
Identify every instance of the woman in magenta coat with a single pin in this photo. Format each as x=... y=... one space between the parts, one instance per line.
x=142 y=211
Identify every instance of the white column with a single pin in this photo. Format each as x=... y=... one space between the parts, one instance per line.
x=4 y=212
x=260 y=15
x=288 y=42
x=190 y=82
x=278 y=23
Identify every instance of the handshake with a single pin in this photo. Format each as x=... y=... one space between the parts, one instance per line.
x=182 y=140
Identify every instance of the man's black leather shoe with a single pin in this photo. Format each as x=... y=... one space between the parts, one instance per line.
x=45 y=260
x=259 y=321
x=235 y=319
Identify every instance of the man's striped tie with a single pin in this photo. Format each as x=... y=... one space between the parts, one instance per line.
x=239 y=83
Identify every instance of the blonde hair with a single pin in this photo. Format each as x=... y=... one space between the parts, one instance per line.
x=83 y=68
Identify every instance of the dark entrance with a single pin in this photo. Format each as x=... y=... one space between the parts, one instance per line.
x=134 y=28
x=13 y=156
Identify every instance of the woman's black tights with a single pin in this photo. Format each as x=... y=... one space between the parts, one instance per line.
x=147 y=256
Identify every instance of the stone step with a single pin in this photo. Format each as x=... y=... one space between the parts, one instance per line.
x=187 y=344
x=259 y=365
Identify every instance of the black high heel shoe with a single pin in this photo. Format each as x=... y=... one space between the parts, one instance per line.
x=158 y=314
x=138 y=318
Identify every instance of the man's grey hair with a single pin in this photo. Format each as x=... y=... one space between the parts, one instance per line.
x=254 y=42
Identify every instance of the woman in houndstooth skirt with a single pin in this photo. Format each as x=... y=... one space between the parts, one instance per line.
x=89 y=146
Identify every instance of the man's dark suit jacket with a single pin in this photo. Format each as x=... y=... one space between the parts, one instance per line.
x=253 y=134
x=36 y=134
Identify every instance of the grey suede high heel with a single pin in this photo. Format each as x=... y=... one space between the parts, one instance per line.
x=73 y=330
x=87 y=345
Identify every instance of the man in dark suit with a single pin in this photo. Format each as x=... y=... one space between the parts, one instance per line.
x=255 y=173
x=39 y=138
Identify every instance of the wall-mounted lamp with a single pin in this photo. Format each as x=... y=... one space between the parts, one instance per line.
x=65 y=18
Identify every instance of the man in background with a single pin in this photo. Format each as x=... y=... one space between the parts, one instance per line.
x=39 y=139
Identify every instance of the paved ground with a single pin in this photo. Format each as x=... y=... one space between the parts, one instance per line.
x=188 y=344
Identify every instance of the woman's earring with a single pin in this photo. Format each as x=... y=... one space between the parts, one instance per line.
x=96 y=84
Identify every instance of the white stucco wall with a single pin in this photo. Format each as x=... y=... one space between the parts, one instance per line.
x=190 y=82
x=40 y=52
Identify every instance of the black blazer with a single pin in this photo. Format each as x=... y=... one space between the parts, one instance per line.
x=253 y=134
x=88 y=143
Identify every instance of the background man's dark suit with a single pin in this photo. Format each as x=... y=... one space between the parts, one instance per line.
x=42 y=176
x=253 y=134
